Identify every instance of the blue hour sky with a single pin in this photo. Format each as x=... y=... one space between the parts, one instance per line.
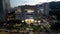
x=15 y=3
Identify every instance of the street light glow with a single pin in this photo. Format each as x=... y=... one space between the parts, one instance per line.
x=29 y=21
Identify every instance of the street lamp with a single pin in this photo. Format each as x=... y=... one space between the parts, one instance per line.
x=29 y=21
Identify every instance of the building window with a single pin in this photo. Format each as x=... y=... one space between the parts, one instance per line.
x=28 y=16
x=38 y=11
x=18 y=11
x=42 y=10
x=29 y=10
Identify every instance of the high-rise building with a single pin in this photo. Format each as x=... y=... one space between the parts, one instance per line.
x=4 y=8
x=44 y=9
x=55 y=9
x=1 y=10
x=26 y=12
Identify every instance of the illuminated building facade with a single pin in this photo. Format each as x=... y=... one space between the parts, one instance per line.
x=27 y=12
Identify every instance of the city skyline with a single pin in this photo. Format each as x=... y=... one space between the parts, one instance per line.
x=15 y=3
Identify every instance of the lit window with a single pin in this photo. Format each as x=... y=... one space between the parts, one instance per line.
x=39 y=21
x=42 y=10
x=29 y=10
x=35 y=21
x=22 y=20
x=18 y=10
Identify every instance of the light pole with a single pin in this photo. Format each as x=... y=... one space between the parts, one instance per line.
x=29 y=21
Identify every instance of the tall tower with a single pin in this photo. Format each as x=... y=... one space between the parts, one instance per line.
x=6 y=4
x=4 y=8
